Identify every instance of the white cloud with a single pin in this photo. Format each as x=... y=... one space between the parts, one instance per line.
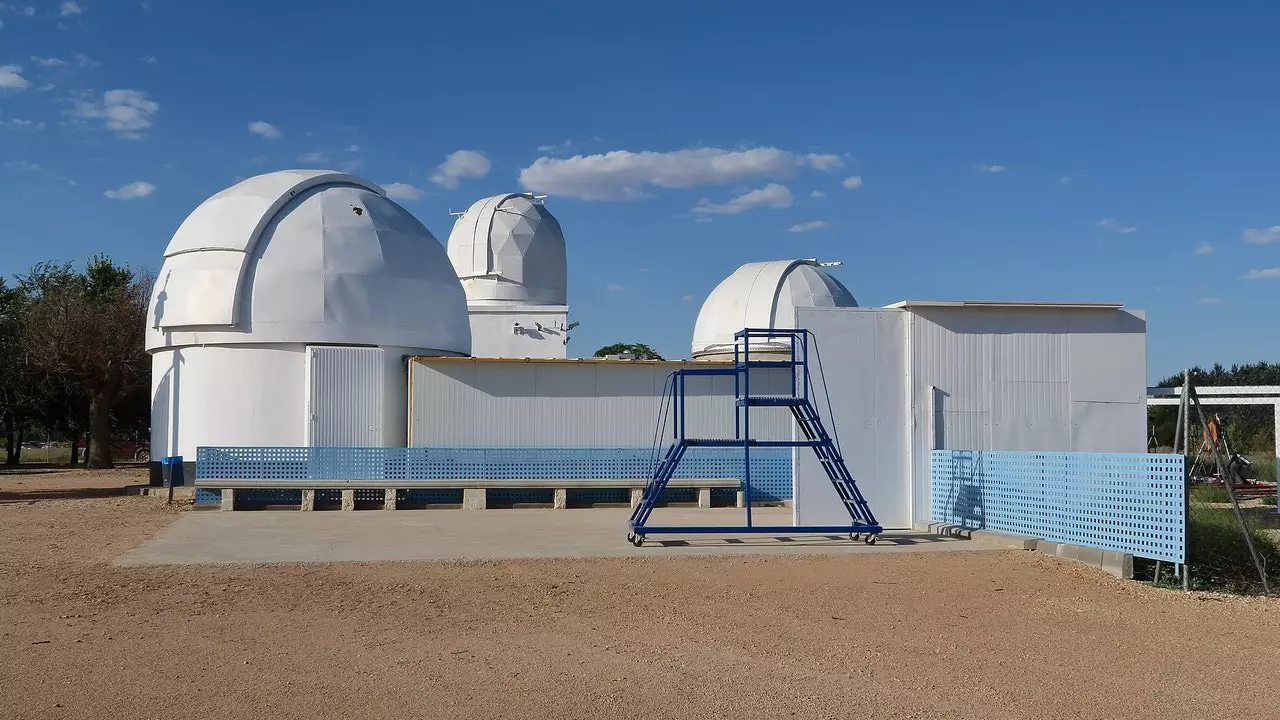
x=1262 y=236
x=1064 y=180
x=29 y=11
x=48 y=62
x=808 y=226
x=22 y=165
x=11 y=78
x=1209 y=301
x=313 y=157
x=623 y=174
x=265 y=129
x=982 y=167
x=149 y=59
x=613 y=287
x=824 y=162
x=772 y=195
x=71 y=7
x=1204 y=248
x=20 y=124
x=562 y=147
x=45 y=87
x=703 y=220
x=852 y=182
x=353 y=148
x=686 y=298
x=817 y=194
x=81 y=60
x=125 y=112
x=460 y=165
x=1111 y=225
x=402 y=191
x=133 y=190
x=352 y=165
x=1264 y=274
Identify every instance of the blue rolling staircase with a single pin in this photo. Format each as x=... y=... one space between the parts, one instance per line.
x=861 y=520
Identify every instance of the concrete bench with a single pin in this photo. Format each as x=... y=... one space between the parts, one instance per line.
x=474 y=491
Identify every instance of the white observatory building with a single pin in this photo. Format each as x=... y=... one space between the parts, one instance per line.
x=763 y=295
x=284 y=311
x=509 y=253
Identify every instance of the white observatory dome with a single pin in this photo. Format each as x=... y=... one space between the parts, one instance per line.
x=509 y=249
x=763 y=295
x=307 y=256
x=284 y=310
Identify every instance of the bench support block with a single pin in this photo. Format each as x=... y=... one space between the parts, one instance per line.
x=474 y=499
x=228 y=499
x=389 y=499
x=308 y=500
x=637 y=494
x=348 y=499
x=704 y=497
x=560 y=498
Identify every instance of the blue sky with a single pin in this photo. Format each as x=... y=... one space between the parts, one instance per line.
x=1091 y=151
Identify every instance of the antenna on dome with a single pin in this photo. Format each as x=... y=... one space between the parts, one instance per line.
x=536 y=198
x=831 y=263
x=456 y=214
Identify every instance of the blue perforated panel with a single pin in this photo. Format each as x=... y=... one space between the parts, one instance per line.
x=1127 y=502
x=770 y=467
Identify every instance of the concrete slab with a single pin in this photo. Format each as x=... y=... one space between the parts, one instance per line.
x=291 y=537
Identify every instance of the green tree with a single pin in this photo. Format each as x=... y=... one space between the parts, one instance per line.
x=1251 y=428
x=17 y=405
x=84 y=341
x=639 y=350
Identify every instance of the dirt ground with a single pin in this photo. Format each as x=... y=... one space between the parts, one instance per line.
x=943 y=635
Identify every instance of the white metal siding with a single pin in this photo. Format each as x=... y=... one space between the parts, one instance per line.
x=862 y=354
x=1025 y=379
x=498 y=403
x=344 y=399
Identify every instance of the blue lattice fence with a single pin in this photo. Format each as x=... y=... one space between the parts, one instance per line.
x=1127 y=502
x=770 y=467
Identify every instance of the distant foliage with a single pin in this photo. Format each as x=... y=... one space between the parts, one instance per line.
x=72 y=359
x=639 y=350
x=1250 y=428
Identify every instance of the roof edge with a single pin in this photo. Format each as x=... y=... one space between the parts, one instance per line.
x=1002 y=304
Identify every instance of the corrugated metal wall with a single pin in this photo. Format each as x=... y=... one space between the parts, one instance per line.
x=1025 y=379
x=456 y=402
x=344 y=400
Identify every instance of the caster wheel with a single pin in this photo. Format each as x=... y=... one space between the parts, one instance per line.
x=871 y=540
x=639 y=540
x=631 y=538
x=855 y=536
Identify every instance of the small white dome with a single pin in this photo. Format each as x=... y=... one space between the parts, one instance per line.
x=509 y=249
x=763 y=295
x=302 y=256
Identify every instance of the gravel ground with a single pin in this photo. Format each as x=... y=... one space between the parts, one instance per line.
x=943 y=635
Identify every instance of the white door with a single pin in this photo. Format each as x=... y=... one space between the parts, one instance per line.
x=344 y=396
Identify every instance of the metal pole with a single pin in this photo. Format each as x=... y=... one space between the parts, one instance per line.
x=1226 y=473
x=746 y=423
x=1184 y=412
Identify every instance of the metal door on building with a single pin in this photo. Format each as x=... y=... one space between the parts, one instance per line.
x=344 y=396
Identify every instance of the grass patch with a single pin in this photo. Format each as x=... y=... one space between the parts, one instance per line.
x=1210 y=493
x=1219 y=556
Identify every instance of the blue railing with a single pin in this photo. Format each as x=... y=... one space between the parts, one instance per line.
x=770 y=468
x=1127 y=502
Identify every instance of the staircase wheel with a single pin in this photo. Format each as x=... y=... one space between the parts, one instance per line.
x=871 y=539
x=631 y=538
x=638 y=541
x=855 y=536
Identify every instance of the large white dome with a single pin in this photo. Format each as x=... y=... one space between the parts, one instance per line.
x=303 y=256
x=763 y=295
x=509 y=249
